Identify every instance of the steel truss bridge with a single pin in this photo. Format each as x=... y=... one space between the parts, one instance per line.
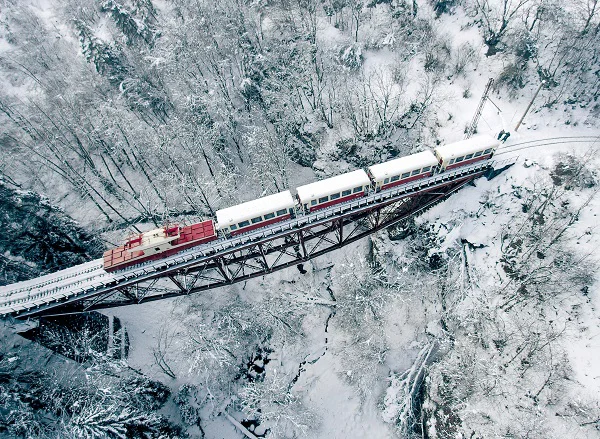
x=223 y=262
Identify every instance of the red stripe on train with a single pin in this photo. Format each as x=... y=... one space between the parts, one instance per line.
x=406 y=180
x=339 y=200
x=468 y=162
x=261 y=224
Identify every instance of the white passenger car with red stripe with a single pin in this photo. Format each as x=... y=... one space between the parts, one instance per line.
x=403 y=170
x=256 y=213
x=334 y=190
x=466 y=152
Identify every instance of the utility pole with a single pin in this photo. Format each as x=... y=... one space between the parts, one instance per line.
x=530 y=104
x=473 y=126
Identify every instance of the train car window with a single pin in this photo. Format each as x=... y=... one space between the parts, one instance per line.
x=357 y=189
x=416 y=172
x=451 y=161
x=468 y=156
x=487 y=151
x=313 y=203
x=406 y=175
x=478 y=153
x=346 y=193
x=334 y=196
x=459 y=159
x=233 y=227
x=282 y=211
x=244 y=224
x=395 y=178
x=268 y=216
x=323 y=199
x=426 y=168
x=291 y=210
x=386 y=181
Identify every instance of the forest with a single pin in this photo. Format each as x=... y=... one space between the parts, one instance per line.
x=476 y=319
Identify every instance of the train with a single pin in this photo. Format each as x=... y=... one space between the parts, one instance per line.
x=242 y=218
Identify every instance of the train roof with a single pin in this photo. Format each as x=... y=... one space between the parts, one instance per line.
x=251 y=209
x=332 y=185
x=403 y=164
x=468 y=146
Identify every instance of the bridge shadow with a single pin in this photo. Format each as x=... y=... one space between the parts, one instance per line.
x=83 y=337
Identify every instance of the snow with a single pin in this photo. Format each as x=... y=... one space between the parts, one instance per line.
x=333 y=185
x=469 y=146
x=261 y=206
x=403 y=164
x=326 y=384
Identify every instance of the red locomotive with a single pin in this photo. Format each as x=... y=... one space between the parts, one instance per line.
x=158 y=243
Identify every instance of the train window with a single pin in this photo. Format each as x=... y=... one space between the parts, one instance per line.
x=426 y=168
x=334 y=196
x=244 y=224
x=346 y=193
x=323 y=199
x=487 y=151
x=395 y=178
x=291 y=210
x=406 y=175
x=233 y=227
x=478 y=153
x=451 y=161
x=282 y=211
x=256 y=220
x=459 y=159
x=313 y=203
x=468 y=156
x=416 y=172
x=357 y=189
x=386 y=181
x=268 y=216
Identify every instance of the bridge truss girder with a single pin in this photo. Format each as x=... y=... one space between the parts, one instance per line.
x=264 y=256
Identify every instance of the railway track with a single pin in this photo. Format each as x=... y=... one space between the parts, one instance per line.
x=507 y=149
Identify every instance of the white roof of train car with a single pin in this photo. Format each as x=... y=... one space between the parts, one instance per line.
x=251 y=209
x=403 y=164
x=332 y=185
x=479 y=143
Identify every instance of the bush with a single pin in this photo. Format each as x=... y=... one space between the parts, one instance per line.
x=145 y=393
x=443 y=7
x=513 y=77
x=351 y=57
x=572 y=173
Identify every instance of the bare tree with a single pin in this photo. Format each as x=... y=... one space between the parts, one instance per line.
x=275 y=405
x=497 y=19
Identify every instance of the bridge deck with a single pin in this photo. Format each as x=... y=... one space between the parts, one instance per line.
x=87 y=279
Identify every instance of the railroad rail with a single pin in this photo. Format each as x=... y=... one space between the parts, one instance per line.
x=229 y=260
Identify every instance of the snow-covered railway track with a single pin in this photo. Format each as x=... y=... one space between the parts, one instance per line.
x=508 y=149
x=48 y=279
